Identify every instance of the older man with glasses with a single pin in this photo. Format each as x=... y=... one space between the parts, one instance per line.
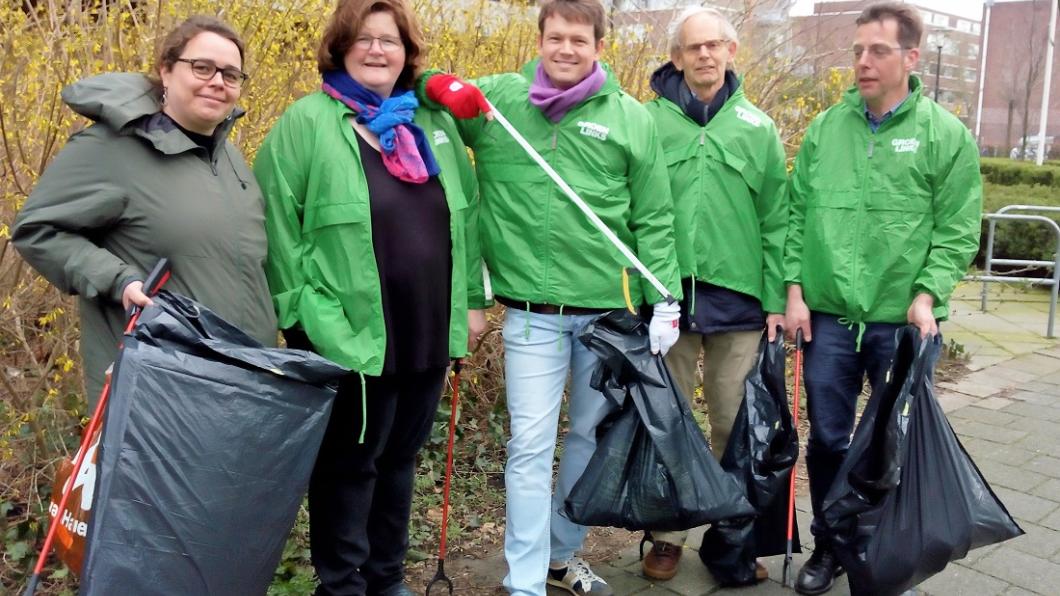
x=726 y=168
x=885 y=203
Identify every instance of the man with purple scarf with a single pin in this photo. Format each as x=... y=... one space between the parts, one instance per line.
x=554 y=271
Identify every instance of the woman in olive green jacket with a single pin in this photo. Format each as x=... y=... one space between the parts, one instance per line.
x=153 y=177
x=370 y=256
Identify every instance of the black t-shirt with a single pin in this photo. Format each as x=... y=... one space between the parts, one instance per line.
x=207 y=142
x=410 y=234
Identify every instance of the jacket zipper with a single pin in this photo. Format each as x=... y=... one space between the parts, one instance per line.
x=546 y=294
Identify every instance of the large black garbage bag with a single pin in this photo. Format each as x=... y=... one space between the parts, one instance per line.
x=908 y=499
x=760 y=454
x=207 y=447
x=652 y=468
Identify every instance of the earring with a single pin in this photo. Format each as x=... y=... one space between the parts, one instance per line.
x=165 y=92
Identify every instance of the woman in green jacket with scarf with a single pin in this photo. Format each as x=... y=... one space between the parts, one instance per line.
x=371 y=264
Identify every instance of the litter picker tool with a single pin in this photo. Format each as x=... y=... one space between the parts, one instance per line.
x=788 y=580
x=580 y=203
x=439 y=576
x=158 y=277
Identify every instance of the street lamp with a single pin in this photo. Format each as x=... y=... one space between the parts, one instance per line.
x=938 y=71
x=982 y=73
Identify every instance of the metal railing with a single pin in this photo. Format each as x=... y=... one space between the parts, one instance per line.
x=1054 y=282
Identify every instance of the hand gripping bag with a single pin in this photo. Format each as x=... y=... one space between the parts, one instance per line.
x=207 y=446
x=760 y=455
x=652 y=468
x=908 y=499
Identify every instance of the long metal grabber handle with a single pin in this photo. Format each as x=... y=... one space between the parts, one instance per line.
x=573 y=196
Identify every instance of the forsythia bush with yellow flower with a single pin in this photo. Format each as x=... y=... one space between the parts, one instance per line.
x=47 y=44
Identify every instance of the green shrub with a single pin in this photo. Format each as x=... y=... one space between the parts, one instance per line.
x=1009 y=172
x=1017 y=240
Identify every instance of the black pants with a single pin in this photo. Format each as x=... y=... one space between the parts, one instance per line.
x=360 y=495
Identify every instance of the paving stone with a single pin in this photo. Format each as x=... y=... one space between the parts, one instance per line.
x=951 y=401
x=1000 y=474
x=987 y=378
x=1045 y=428
x=1050 y=489
x=994 y=402
x=984 y=415
x=1018 y=591
x=1039 y=444
x=1042 y=387
x=775 y=565
x=1039 y=541
x=1026 y=571
x=1035 y=397
x=1043 y=464
x=1026 y=507
x=1013 y=374
x=955 y=580
x=1040 y=412
x=970 y=388
x=982 y=362
x=620 y=581
x=693 y=579
x=1005 y=435
x=1035 y=363
x=974 y=555
x=1006 y=454
x=1052 y=521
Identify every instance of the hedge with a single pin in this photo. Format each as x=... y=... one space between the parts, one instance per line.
x=1017 y=240
x=1008 y=172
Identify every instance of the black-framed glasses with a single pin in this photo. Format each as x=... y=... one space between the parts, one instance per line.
x=205 y=70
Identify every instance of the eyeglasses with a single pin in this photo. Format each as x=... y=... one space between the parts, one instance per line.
x=878 y=51
x=205 y=70
x=388 y=44
x=713 y=46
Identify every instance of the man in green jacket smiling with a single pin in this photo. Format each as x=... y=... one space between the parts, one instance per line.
x=727 y=177
x=886 y=198
x=555 y=272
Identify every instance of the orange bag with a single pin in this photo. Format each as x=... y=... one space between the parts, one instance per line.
x=69 y=542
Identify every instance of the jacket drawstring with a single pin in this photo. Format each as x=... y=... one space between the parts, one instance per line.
x=692 y=298
x=364 y=408
x=526 y=328
x=232 y=164
x=850 y=325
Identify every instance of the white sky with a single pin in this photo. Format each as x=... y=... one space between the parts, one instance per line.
x=972 y=9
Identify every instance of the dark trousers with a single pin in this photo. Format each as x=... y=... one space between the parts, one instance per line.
x=834 y=373
x=360 y=496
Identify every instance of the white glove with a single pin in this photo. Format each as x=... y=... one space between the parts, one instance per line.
x=663 y=331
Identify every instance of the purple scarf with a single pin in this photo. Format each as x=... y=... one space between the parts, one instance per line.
x=554 y=102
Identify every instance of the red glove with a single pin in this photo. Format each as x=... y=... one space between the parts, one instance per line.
x=463 y=99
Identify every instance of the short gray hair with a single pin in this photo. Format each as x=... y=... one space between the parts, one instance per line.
x=693 y=10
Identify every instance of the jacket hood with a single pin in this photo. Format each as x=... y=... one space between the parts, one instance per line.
x=128 y=104
x=610 y=84
x=669 y=83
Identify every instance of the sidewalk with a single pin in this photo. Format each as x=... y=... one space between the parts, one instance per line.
x=1007 y=415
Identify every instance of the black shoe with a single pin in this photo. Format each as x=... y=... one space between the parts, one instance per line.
x=818 y=573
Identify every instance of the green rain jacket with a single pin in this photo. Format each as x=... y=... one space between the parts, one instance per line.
x=728 y=182
x=538 y=246
x=877 y=218
x=321 y=266
x=131 y=189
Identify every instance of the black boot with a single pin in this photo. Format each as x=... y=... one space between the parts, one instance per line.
x=818 y=573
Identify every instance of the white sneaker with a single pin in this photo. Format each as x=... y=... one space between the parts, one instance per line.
x=576 y=578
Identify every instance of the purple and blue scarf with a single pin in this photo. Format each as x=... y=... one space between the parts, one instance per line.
x=406 y=154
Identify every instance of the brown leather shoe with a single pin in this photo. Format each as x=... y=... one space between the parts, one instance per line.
x=661 y=562
x=761 y=573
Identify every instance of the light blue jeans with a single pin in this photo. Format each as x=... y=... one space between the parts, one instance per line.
x=539 y=352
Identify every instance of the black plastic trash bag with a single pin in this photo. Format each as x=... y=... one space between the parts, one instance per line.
x=652 y=468
x=207 y=447
x=760 y=454
x=908 y=499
